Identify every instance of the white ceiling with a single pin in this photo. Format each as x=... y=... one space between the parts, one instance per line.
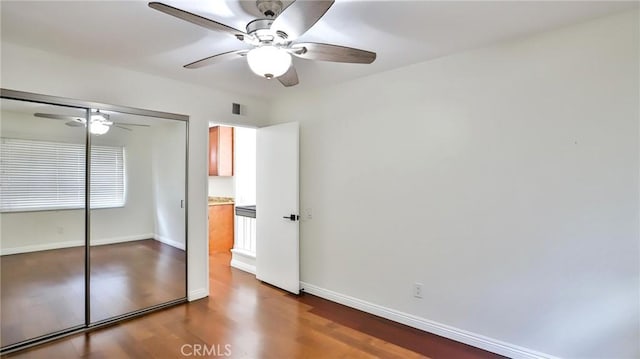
x=132 y=35
x=30 y=108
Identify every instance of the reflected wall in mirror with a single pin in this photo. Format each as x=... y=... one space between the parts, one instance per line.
x=137 y=214
x=42 y=221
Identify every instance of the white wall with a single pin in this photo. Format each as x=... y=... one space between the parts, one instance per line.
x=504 y=179
x=33 y=70
x=221 y=186
x=136 y=219
x=168 y=178
x=30 y=231
x=245 y=166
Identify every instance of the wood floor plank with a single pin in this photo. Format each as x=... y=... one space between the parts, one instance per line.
x=43 y=292
x=257 y=321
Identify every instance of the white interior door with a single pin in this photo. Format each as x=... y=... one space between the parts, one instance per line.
x=277 y=229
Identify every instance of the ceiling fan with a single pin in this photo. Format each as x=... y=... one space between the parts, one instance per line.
x=99 y=125
x=272 y=39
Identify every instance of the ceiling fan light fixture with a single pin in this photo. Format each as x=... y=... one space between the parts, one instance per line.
x=269 y=61
x=100 y=123
x=98 y=128
x=96 y=115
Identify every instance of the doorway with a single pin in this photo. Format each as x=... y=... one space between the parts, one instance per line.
x=266 y=244
x=232 y=196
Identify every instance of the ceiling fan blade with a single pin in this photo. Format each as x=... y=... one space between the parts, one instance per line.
x=74 y=124
x=226 y=56
x=290 y=78
x=122 y=127
x=196 y=19
x=300 y=16
x=58 y=117
x=335 y=53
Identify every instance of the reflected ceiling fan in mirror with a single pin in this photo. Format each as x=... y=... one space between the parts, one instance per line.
x=99 y=125
x=272 y=39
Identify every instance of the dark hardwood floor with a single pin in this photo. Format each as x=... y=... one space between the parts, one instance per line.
x=255 y=320
x=43 y=292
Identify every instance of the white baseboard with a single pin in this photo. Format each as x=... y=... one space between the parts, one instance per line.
x=459 y=335
x=243 y=260
x=113 y=240
x=245 y=254
x=243 y=266
x=70 y=244
x=197 y=294
x=40 y=247
x=168 y=241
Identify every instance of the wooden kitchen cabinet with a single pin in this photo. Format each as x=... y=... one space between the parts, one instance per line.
x=221 y=223
x=221 y=151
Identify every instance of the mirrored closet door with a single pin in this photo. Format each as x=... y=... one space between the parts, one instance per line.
x=137 y=214
x=68 y=261
x=42 y=220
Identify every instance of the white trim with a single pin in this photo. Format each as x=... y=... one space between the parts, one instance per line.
x=168 y=241
x=69 y=244
x=40 y=247
x=243 y=266
x=137 y=237
x=244 y=253
x=243 y=260
x=459 y=335
x=197 y=294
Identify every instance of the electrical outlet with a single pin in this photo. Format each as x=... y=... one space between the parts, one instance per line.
x=417 y=290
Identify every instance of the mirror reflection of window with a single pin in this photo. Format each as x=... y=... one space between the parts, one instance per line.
x=25 y=163
x=42 y=191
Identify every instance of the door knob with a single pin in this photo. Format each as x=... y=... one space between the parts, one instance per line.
x=291 y=217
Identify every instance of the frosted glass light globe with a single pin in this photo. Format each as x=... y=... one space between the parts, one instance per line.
x=268 y=61
x=98 y=128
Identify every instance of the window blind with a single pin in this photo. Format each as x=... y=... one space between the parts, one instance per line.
x=40 y=175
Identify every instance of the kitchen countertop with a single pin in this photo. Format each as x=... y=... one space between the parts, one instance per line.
x=219 y=201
